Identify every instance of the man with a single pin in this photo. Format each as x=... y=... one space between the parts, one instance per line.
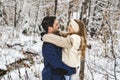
x=54 y=68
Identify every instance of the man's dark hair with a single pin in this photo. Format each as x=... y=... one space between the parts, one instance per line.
x=48 y=21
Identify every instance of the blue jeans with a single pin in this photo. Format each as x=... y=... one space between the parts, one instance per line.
x=67 y=77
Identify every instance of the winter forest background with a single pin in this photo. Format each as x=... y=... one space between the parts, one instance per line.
x=20 y=44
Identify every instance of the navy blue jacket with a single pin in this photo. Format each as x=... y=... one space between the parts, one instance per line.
x=54 y=68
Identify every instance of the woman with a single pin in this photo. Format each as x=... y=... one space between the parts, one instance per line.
x=73 y=43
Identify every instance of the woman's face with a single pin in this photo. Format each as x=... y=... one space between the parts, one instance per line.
x=70 y=29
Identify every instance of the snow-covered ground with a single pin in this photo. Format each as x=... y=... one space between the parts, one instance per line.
x=98 y=66
x=13 y=50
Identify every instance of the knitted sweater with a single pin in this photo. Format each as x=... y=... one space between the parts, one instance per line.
x=70 y=45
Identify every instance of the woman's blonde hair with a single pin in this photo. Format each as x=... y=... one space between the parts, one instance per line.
x=82 y=33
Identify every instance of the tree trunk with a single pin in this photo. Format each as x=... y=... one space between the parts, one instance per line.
x=15 y=13
x=82 y=66
x=83 y=16
x=89 y=8
x=4 y=15
x=55 y=7
x=84 y=12
x=36 y=19
x=69 y=10
x=112 y=49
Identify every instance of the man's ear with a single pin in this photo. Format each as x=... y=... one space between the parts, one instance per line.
x=50 y=29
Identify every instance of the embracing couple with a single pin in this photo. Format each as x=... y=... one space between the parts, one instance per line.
x=61 y=51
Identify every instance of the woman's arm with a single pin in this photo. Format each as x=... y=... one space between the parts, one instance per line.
x=64 y=42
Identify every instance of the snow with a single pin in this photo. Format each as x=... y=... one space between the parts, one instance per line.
x=100 y=63
x=9 y=56
x=96 y=62
x=2 y=66
x=26 y=73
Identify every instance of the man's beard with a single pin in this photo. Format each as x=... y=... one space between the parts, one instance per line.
x=56 y=32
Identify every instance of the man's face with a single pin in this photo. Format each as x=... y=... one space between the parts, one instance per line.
x=55 y=26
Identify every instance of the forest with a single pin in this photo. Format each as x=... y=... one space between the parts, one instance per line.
x=21 y=45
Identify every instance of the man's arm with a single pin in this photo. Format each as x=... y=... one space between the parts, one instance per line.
x=50 y=54
x=64 y=42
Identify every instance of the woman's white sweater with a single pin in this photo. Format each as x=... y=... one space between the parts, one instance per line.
x=70 y=45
